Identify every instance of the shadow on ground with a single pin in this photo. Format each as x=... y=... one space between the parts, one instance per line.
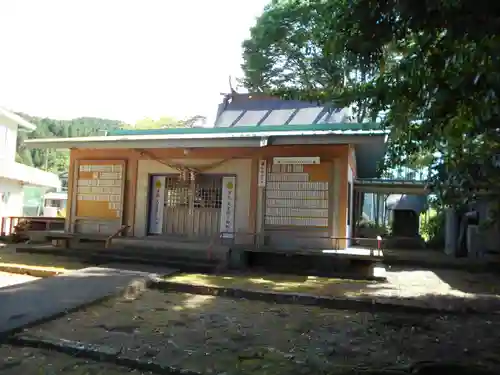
x=221 y=335
x=410 y=287
x=479 y=284
x=28 y=303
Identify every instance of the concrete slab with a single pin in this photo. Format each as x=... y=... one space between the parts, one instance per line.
x=33 y=302
x=360 y=253
x=356 y=251
x=150 y=269
x=8 y=279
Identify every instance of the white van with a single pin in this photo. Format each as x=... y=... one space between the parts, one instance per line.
x=54 y=204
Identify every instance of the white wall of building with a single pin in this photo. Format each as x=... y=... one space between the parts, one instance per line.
x=11 y=199
x=9 y=169
x=11 y=191
x=13 y=175
x=8 y=140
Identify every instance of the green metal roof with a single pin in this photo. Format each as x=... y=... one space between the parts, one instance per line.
x=347 y=127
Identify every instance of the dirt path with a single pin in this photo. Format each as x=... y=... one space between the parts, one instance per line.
x=218 y=335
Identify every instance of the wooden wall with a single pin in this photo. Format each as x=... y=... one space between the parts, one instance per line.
x=130 y=158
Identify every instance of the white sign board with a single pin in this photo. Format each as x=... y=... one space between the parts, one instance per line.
x=297 y=160
x=262 y=173
x=227 y=209
x=157 y=204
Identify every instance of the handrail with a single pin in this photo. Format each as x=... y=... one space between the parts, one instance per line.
x=7 y=223
x=378 y=242
x=375 y=243
x=36 y=218
x=123 y=229
x=222 y=235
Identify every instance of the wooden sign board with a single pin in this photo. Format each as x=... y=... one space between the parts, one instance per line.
x=261 y=182
x=100 y=189
x=297 y=195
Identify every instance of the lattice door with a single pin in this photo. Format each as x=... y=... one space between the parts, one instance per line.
x=192 y=208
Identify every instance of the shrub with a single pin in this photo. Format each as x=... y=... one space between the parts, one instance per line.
x=433 y=230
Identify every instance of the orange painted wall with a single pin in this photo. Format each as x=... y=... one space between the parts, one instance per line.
x=326 y=152
x=129 y=156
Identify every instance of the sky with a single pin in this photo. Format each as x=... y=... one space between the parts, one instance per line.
x=121 y=59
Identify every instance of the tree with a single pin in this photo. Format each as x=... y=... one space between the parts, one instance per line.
x=162 y=122
x=293 y=49
x=440 y=97
x=430 y=69
x=195 y=121
x=56 y=160
x=168 y=122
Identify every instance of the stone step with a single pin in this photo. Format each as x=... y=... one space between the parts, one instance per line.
x=195 y=250
x=100 y=256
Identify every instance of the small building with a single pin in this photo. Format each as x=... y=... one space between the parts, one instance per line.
x=14 y=176
x=280 y=175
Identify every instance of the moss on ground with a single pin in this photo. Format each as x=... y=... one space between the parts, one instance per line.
x=319 y=286
x=9 y=257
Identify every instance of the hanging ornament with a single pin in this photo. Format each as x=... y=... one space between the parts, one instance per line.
x=183 y=176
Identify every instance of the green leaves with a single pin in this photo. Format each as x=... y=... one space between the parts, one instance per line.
x=430 y=69
x=292 y=53
x=440 y=94
x=55 y=160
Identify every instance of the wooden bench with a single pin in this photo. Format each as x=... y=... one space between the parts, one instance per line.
x=64 y=237
x=70 y=239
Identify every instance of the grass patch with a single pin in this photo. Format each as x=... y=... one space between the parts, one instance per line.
x=9 y=258
x=34 y=271
x=318 y=286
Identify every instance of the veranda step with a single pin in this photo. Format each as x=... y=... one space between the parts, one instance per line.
x=100 y=255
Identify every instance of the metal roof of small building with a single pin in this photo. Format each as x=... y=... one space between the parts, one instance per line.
x=247 y=121
x=353 y=128
x=417 y=203
x=259 y=110
x=368 y=139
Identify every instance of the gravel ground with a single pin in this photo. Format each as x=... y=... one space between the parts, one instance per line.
x=219 y=335
x=26 y=361
x=8 y=279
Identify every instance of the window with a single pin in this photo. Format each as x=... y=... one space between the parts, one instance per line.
x=208 y=197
